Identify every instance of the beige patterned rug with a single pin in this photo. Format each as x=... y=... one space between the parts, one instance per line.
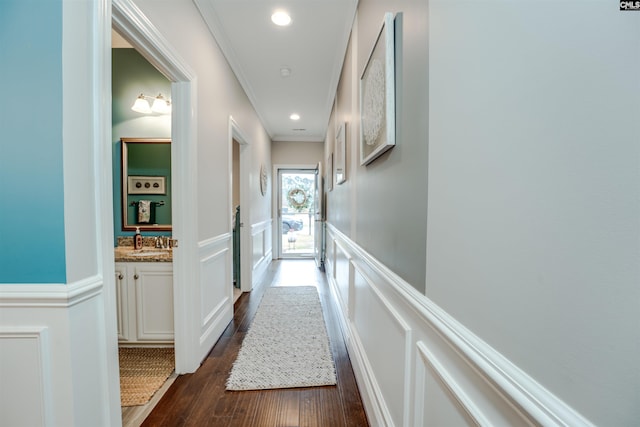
x=286 y=345
x=142 y=373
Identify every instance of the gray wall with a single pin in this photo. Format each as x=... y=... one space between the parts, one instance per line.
x=219 y=96
x=287 y=152
x=383 y=206
x=533 y=233
x=516 y=177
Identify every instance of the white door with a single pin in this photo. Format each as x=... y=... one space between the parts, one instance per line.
x=296 y=212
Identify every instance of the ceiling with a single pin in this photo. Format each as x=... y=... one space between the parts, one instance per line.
x=312 y=47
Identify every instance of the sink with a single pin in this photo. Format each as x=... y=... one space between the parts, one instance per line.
x=149 y=253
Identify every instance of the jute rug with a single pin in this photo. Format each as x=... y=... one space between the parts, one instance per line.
x=286 y=345
x=142 y=372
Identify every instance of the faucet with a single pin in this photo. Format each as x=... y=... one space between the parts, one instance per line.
x=160 y=242
x=165 y=242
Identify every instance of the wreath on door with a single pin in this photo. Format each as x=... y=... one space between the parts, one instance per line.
x=297 y=198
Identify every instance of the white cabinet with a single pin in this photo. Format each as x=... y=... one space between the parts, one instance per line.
x=122 y=306
x=144 y=292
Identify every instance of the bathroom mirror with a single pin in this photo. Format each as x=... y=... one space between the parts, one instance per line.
x=146 y=184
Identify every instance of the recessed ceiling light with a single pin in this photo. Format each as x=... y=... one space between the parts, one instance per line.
x=294 y=116
x=285 y=72
x=281 y=18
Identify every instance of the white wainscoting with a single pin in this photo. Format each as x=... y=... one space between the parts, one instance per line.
x=53 y=355
x=416 y=365
x=30 y=386
x=261 y=250
x=216 y=288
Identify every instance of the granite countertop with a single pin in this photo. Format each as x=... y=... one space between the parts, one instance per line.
x=146 y=254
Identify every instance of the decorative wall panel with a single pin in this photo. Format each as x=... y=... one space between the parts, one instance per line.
x=25 y=394
x=416 y=365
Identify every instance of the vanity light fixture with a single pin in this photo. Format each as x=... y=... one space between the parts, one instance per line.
x=281 y=18
x=160 y=104
x=141 y=105
x=294 y=116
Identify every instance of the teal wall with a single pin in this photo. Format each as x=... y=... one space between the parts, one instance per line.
x=32 y=240
x=132 y=74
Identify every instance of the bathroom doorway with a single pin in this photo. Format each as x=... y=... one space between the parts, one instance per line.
x=144 y=285
x=239 y=195
x=236 y=219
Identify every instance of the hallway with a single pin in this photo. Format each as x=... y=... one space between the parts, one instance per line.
x=200 y=399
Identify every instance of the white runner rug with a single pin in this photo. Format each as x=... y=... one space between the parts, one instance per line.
x=286 y=345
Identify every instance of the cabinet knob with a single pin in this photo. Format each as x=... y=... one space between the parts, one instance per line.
x=135 y=276
x=120 y=276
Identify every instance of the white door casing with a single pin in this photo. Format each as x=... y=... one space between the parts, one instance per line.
x=235 y=133
x=133 y=25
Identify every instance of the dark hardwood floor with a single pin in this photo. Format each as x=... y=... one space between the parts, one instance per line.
x=200 y=399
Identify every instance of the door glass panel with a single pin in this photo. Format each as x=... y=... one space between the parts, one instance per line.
x=297 y=220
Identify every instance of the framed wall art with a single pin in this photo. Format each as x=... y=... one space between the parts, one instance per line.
x=329 y=179
x=263 y=179
x=341 y=154
x=377 y=96
x=146 y=184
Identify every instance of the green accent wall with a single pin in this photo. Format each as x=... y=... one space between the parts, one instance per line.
x=150 y=160
x=132 y=75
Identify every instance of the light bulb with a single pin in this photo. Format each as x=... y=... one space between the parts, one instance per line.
x=161 y=105
x=141 y=105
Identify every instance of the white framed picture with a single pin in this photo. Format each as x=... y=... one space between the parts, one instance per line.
x=146 y=184
x=377 y=96
x=329 y=177
x=341 y=154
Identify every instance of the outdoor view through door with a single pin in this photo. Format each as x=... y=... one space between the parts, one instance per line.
x=296 y=212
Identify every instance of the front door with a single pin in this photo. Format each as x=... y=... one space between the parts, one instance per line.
x=296 y=212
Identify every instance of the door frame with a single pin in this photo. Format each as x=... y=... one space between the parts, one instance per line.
x=276 y=231
x=136 y=28
x=236 y=134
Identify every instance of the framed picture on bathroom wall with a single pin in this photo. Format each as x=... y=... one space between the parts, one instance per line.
x=377 y=96
x=146 y=184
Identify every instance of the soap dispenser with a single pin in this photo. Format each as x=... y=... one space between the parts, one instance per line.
x=137 y=239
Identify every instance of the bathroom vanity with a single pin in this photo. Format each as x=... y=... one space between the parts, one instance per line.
x=144 y=277
x=144 y=292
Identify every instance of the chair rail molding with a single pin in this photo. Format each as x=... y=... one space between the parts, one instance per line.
x=50 y=295
x=447 y=371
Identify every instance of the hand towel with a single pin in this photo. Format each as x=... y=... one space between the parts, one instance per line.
x=144 y=211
